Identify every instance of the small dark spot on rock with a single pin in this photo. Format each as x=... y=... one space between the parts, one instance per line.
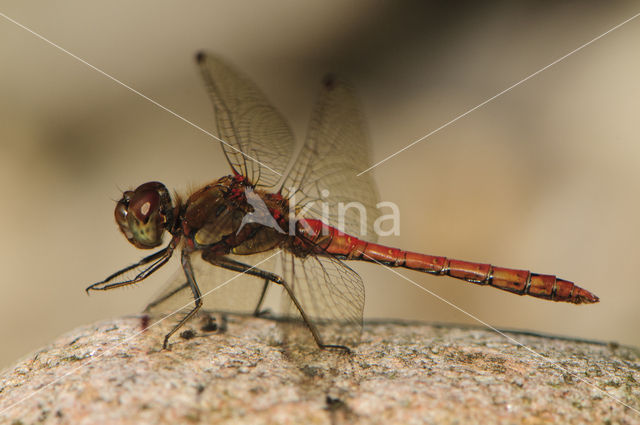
x=334 y=403
x=214 y=323
x=311 y=371
x=200 y=389
x=210 y=325
x=188 y=334
x=44 y=414
x=144 y=322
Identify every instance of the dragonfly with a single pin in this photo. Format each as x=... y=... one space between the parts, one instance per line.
x=279 y=210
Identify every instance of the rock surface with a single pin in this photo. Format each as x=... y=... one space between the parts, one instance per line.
x=112 y=372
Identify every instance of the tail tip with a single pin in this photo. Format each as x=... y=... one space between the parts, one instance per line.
x=582 y=296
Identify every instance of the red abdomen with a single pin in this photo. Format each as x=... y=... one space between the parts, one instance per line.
x=519 y=282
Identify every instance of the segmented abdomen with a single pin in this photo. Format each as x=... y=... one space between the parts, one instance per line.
x=519 y=282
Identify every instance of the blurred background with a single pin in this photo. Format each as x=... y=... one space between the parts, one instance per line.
x=543 y=178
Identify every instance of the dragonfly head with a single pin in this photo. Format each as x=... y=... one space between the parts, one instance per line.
x=144 y=214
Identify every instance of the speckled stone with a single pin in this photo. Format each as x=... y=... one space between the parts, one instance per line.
x=402 y=373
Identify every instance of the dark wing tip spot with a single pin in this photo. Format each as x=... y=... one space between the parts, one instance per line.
x=329 y=81
x=201 y=56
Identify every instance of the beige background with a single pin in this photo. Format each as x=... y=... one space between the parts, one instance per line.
x=544 y=177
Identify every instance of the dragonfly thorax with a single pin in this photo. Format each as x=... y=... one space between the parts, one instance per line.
x=144 y=214
x=232 y=215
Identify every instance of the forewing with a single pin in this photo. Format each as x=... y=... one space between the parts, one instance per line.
x=255 y=137
x=331 y=295
x=325 y=171
x=222 y=290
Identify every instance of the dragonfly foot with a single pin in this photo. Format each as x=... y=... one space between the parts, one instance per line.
x=343 y=348
x=262 y=313
x=165 y=344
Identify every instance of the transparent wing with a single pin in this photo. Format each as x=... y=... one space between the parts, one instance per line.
x=325 y=171
x=330 y=293
x=257 y=140
x=222 y=290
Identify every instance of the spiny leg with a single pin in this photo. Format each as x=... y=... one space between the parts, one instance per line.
x=231 y=264
x=188 y=271
x=158 y=259
x=307 y=321
x=258 y=312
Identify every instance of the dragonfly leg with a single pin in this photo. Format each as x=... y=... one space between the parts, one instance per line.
x=258 y=312
x=231 y=264
x=311 y=326
x=191 y=281
x=157 y=260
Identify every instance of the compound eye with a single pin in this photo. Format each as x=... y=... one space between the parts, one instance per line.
x=142 y=215
x=121 y=213
x=144 y=204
